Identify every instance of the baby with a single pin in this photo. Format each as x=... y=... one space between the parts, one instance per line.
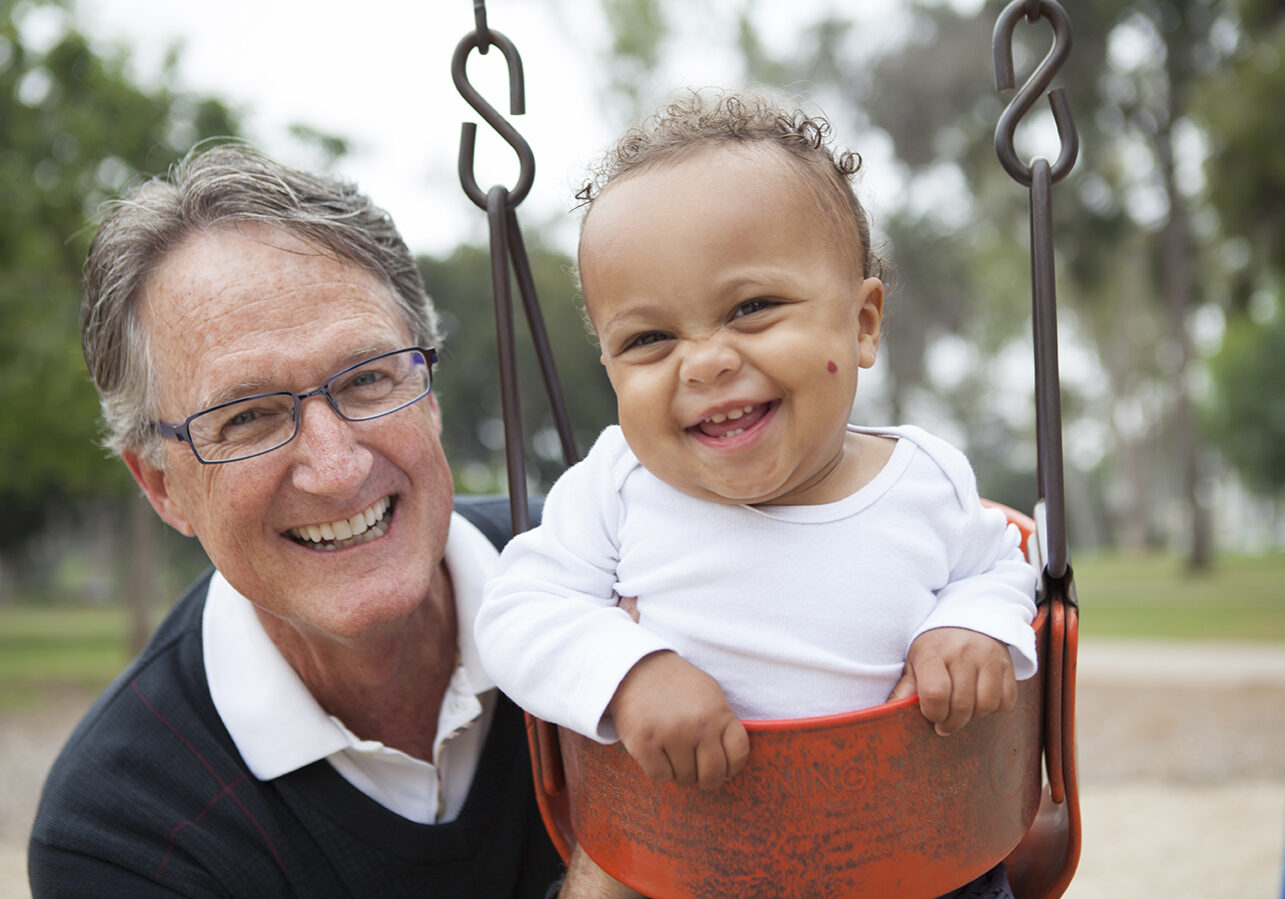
x=785 y=563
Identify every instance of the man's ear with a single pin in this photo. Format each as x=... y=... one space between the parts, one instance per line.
x=869 y=320
x=155 y=484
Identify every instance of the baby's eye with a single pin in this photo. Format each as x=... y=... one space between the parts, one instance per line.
x=749 y=307
x=646 y=339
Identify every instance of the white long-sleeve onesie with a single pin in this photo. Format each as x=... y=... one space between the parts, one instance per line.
x=794 y=610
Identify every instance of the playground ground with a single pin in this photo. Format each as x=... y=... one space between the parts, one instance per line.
x=1182 y=767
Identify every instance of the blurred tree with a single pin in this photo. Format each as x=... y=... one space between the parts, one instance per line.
x=467 y=383
x=74 y=129
x=1245 y=168
x=1247 y=415
x=1246 y=174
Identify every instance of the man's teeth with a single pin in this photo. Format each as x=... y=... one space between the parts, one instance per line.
x=366 y=525
x=720 y=417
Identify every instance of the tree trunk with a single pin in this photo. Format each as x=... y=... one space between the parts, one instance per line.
x=1176 y=285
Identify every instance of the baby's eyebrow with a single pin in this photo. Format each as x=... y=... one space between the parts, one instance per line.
x=633 y=316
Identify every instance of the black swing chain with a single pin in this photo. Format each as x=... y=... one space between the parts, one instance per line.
x=508 y=248
x=1039 y=176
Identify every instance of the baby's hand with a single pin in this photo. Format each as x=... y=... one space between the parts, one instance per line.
x=676 y=723
x=959 y=675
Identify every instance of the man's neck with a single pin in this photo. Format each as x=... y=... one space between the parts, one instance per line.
x=386 y=687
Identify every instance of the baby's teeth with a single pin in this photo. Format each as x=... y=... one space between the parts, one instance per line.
x=717 y=418
x=735 y=414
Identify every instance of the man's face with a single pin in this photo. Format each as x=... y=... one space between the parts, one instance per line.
x=251 y=309
x=732 y=325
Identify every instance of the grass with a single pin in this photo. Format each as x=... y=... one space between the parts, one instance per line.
x=61 y=648
x=83 y=648
x=1243 y=598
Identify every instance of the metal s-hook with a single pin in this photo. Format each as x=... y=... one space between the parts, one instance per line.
x=482 y=38
x=1037 y=84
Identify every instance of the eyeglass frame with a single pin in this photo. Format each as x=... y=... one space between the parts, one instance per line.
x=182 y=432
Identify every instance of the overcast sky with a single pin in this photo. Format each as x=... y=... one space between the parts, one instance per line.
x=378 y=73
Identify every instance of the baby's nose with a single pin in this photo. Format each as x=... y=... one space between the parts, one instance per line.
x=706 y=361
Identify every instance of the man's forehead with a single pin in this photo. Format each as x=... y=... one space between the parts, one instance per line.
x=229 y=314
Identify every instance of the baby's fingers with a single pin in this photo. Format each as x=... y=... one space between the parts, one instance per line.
x=962 y=703
x=905 y=687
x=996 y=689
x=655 y=762
x=934 y=684
x=722 y=758
x=736 y=746
x=711 y=765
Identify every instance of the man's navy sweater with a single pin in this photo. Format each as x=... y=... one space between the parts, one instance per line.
x=151 y=798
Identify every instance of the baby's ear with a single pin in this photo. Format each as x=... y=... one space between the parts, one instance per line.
x=869 y=302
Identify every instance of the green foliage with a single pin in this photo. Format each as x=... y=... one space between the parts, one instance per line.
x=1246 y=417
x=467 y=382
x=75 y=130
x=1239 y=106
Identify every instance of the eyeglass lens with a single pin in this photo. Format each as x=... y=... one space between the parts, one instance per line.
x=257 y=424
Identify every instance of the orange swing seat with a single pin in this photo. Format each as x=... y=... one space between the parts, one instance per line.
x=869 y=803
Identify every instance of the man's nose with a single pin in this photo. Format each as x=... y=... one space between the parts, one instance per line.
x=330 y=459
x=709 y=359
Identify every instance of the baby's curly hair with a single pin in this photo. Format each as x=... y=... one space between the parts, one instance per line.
x=699 y=120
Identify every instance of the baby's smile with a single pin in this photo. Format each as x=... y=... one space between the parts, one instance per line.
x=731 y=422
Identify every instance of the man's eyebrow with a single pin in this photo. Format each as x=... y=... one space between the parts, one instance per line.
x=239 y=390
x=254 y=386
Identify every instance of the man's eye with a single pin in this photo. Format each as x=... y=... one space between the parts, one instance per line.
x=244 y=417
x=363 y=379
x=749 y=307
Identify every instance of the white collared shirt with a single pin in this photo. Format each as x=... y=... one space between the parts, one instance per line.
x=279 y=727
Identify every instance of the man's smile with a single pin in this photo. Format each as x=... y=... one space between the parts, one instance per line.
x=369 y=524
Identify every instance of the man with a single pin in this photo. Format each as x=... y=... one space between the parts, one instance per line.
x=311 y=718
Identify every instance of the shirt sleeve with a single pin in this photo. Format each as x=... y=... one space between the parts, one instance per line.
x=549 y=631
x=991 y=587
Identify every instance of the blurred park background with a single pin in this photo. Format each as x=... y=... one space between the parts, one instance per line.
x=1170 y=251
x=1170 y=237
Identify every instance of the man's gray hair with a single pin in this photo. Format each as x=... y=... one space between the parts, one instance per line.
x=225 y=184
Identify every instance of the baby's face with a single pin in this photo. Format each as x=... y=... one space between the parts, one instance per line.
x=732 y=325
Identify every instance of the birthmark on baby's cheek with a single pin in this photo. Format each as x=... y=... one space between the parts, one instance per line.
x=831 y=367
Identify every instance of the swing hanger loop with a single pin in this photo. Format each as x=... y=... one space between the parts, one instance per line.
x=479 y=26
x=482 y=38
x=1037 y=84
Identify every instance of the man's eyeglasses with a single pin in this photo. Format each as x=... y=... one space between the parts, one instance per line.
x=254 y=425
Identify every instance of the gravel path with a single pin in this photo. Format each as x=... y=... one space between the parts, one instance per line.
x=1182 y=771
